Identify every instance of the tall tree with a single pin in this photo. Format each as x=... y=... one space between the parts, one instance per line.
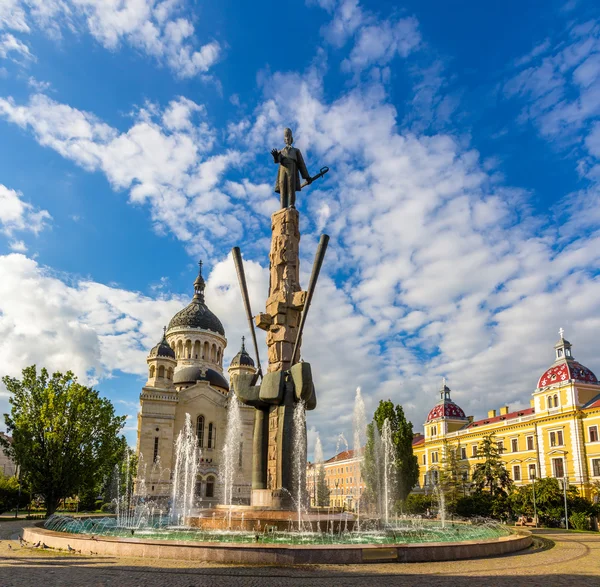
x=452 y=476
x=491 y=474
x=65 y=438
x=322 y=487
x=406 y=466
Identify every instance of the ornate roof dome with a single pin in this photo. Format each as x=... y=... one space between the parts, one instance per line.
x=162 y=349
x=195 y=373
x=565 y=367
x=445 y=408
x=196 y=314
x=242 y=358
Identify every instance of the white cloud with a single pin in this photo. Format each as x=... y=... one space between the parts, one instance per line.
x=164 y=160
x=153 y=27
x=18 y=246
x=17 y=215
x=38 y=86
x=13 y=48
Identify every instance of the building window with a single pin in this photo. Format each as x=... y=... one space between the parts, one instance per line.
x=434 y=457
x=560 y=353
x=474 y=451
x=152 y=371
x=155 y=449
x=200 y=431
x=424 y=459
x=241 y=455
x=210 y=487
x=596 y=467
x=463 y=452
x=555 y=401
x=514 y=445
x=517 y=473
x=212 y=436
x=551 y=402
x=501 y=446
x=530 y=443
x=434 y=431
x=593 y=433
x=556 y=438
x=558 y=468
x=532 y=472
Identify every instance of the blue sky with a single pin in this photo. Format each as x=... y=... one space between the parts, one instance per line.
x=462 y=203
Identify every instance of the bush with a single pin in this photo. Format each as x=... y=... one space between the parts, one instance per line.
x=478 y=504
x=108 y=508
x=9 y=494
x=416 y=503
x=580 y=521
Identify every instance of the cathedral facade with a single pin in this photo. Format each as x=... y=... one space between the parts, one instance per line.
x=186 y=381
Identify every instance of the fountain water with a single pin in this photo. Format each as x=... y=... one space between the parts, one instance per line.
x=229 y=465
x=299 y=448
x=187 y=458
x=359 y=426
x=387 y=460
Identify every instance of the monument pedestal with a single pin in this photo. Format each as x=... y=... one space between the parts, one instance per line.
x=274 y=499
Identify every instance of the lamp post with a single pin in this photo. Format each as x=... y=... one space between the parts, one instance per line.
x=337 y=482
x=535 y=519
x=565 y=482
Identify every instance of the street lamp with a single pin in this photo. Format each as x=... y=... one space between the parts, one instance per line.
x=337 y=482
x=565 y=482
x=535 y=519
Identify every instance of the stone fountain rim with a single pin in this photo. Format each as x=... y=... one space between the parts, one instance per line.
x=260 y=553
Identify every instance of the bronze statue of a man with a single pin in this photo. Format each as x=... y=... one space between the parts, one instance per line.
x=291 y=167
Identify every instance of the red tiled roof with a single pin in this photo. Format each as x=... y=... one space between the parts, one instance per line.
x=342 y=456
x=564 y=371
x=500 y=418
x=593 y=403
x=418 y=439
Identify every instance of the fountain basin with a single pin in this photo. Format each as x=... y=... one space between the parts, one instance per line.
x=276 y=553
x=257 y=519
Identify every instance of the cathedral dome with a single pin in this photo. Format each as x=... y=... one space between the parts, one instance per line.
x=162 y=349
x=242 y=359
x=565 y=367
x=445 y=408
x=196 y=314
x=194 y=373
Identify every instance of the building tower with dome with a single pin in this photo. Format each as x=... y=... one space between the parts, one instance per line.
x=185 y=376
x=558 y=435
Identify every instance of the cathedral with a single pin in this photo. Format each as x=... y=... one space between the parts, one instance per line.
x=185 y=377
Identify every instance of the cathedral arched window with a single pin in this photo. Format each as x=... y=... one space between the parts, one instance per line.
x=214 y=352
x=556 y=401
x=200 y=431
x=212 y=436
x=161 y=371
x=179 y=349
x=197 y=351
x=219 y=356
x=210 y=487
x=206 y=351
x=152 y=370
x=188 y=349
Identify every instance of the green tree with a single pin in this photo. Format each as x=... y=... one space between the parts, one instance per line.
x=549 y=501
x=452 y=476
x=491 y=474
x=65 y=436
x=322 y=487
x=9 y=493
x=406 y=466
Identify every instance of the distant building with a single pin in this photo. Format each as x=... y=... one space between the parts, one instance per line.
x=7 y=465
x=185 y=376
x=557 y=436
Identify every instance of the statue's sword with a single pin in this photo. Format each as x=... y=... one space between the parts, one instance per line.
x=321 y=173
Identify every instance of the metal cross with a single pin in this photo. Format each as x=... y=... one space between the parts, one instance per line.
x=561 y=332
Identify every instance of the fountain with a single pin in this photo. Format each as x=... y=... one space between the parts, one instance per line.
x=278 y=526
x=359 y=428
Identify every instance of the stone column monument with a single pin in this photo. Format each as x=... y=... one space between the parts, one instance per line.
x=287 y=381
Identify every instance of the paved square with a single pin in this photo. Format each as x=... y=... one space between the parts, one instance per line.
x=559 y=558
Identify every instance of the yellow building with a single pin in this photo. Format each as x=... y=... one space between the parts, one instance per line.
x=558 y=436
x=343 y=478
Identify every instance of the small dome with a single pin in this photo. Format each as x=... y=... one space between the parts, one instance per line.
x=242 y=359
x=565 y=367
x=194 y=373
x=196 y=314
x=162 y=349
x=445 y=408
